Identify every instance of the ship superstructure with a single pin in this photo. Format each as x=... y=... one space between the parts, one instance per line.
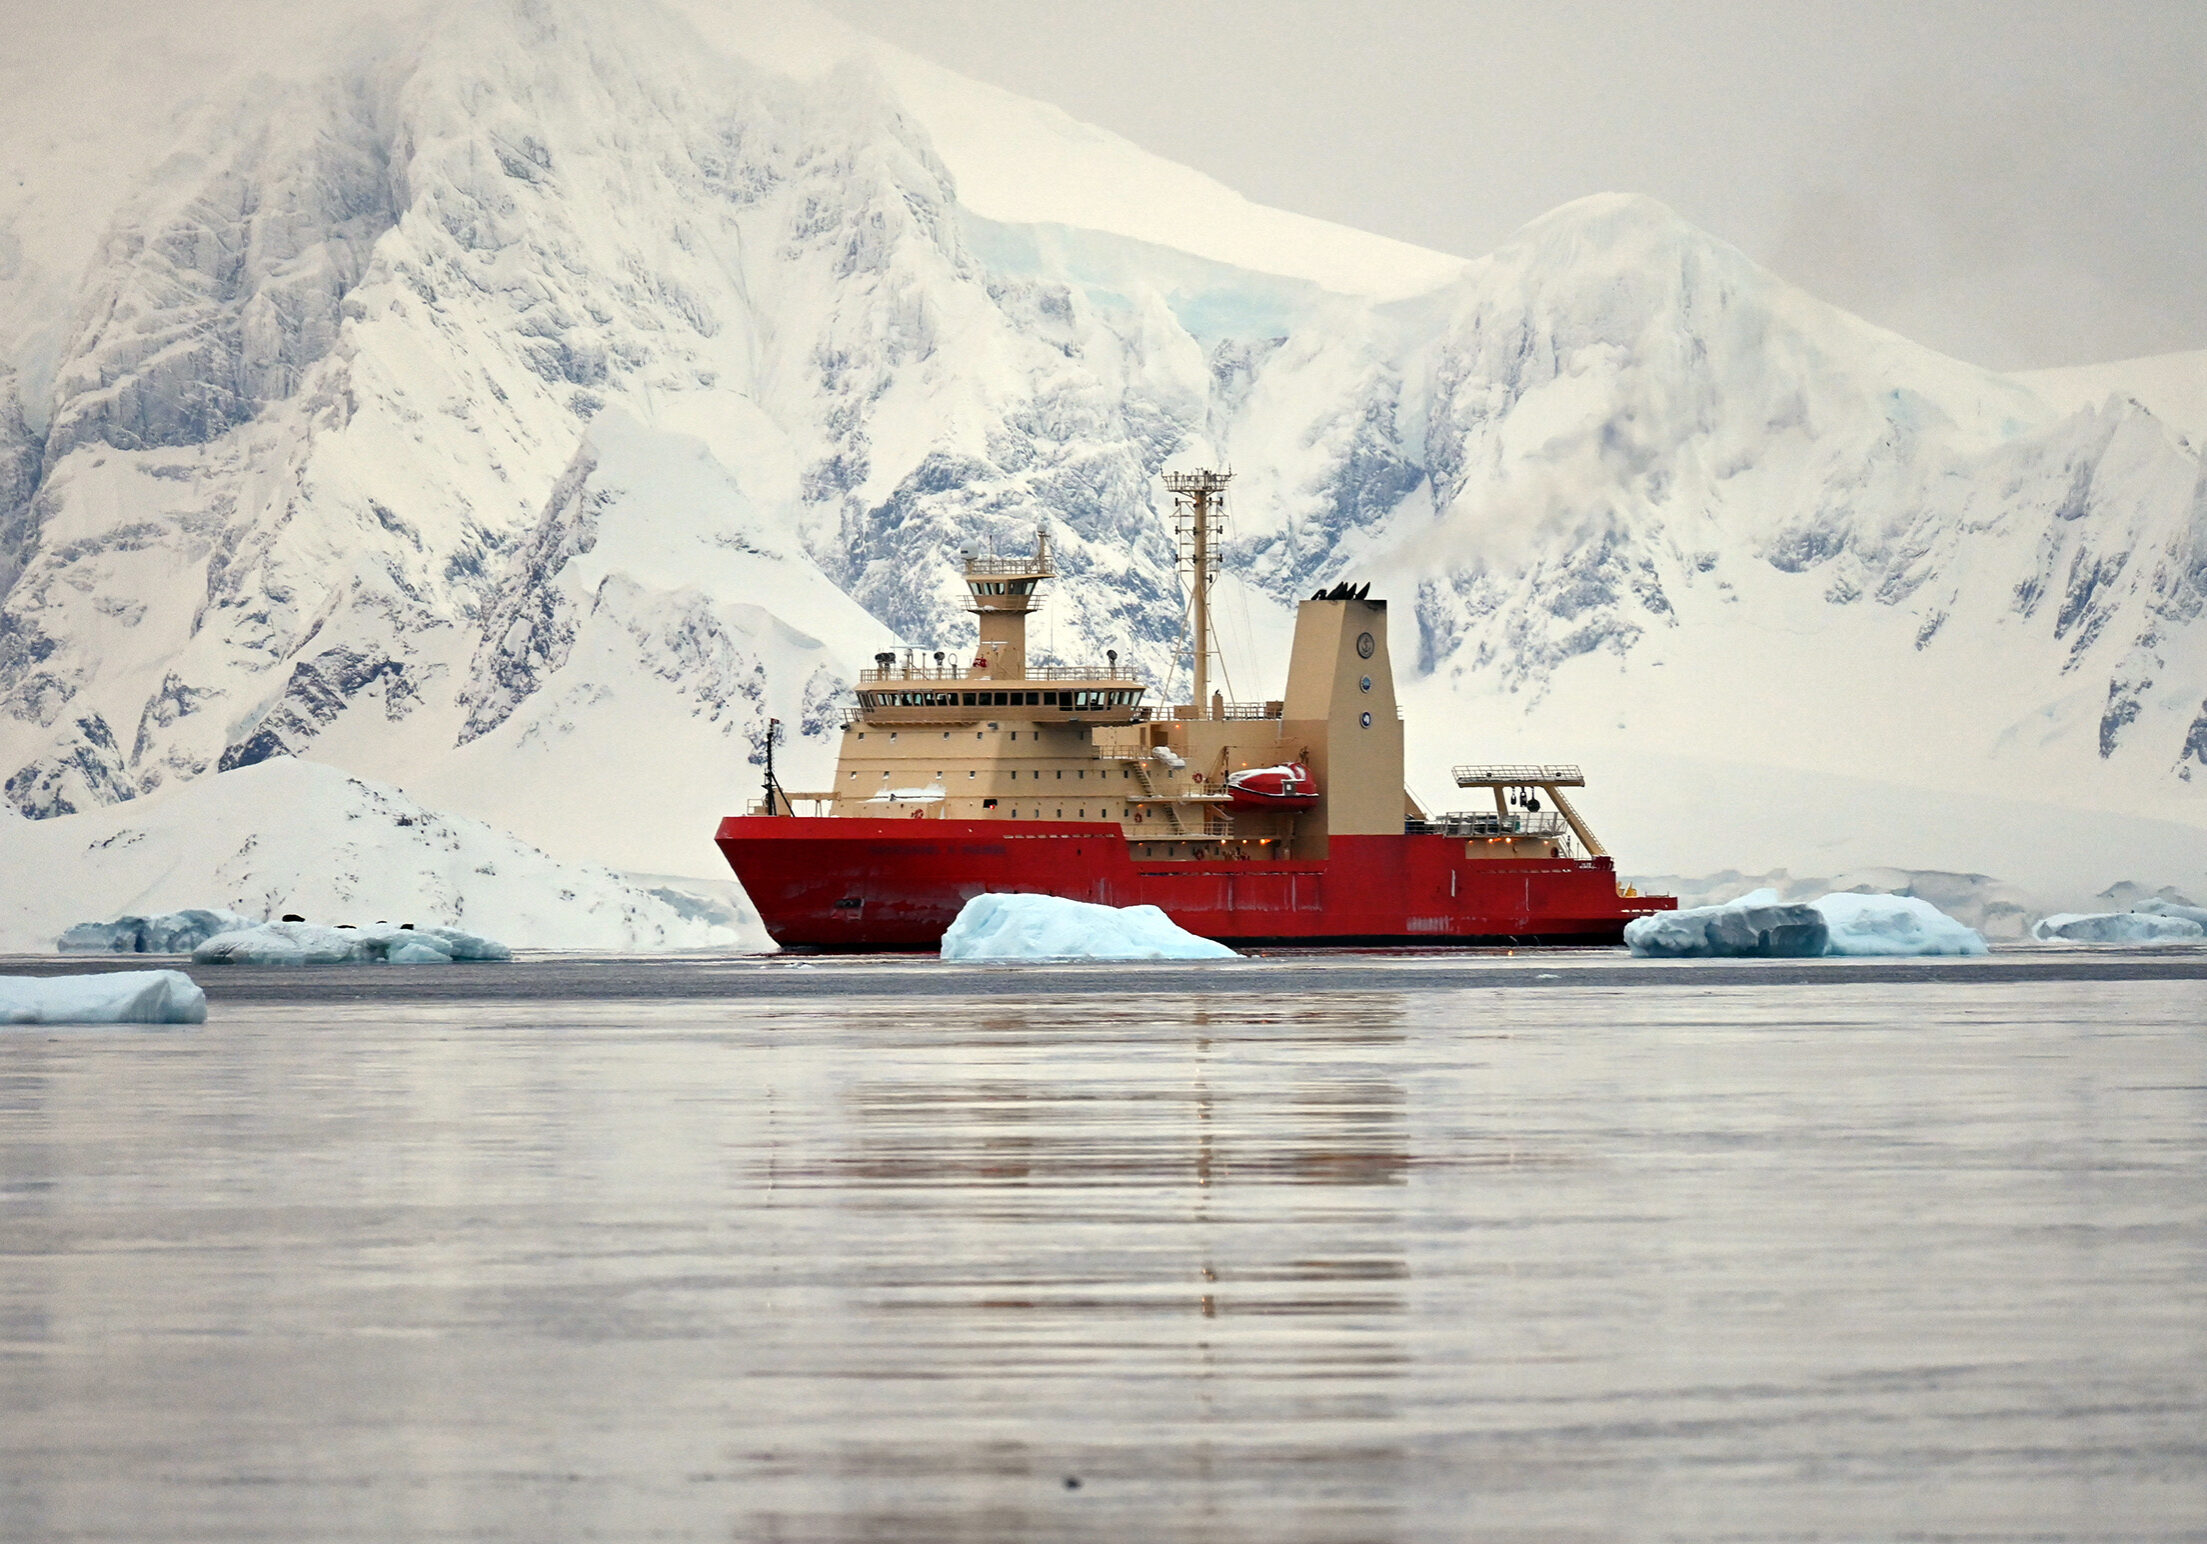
x=1285 y=819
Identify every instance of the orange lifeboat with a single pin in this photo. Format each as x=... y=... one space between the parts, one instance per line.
x=1288 y=787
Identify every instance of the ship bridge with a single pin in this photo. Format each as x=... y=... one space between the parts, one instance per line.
x=998 y=683
x=892 y=693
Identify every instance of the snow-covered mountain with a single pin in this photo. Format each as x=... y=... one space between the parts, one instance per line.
x=285 y=836
x=521 y=400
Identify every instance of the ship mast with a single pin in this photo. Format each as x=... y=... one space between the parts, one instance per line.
x=1199 y=506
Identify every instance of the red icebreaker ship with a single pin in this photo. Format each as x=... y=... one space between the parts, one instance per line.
x=1273 y=822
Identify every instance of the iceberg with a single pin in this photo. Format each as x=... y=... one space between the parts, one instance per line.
x=2160 y=908
x=1757 y=924
x=1845 y=923
x=169 y=932
x=110 y=997
x=1892 y=925
x=309 y=943
x=1049 y=927
x=2117 y=927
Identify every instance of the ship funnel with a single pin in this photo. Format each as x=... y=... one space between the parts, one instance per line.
x=1341 y=694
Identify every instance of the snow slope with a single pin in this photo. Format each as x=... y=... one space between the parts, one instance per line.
x=1018 y=161
x=2172 y=387
x=520 y=404
x=290 y=836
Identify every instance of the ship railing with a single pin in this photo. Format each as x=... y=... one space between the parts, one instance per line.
x=1526 y=775
x=1191 y=713
x=1040 y=567
x=1488 y=823
x=788 y=802
x=1081 y=673
x=876 y=675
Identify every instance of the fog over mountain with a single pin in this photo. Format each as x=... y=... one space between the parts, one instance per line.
x=521 y=400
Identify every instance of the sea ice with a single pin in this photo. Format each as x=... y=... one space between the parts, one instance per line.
x=169 y=932
x=1892 y=924
x=2117 y=927
x=111 y=997
x=1048 y=927
x=1755 y=924
x=309 y=943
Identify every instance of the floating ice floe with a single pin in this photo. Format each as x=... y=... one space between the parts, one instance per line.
x=309 y=943
x=111 y=997
x=1048 y=927
x=2117 y=927
x=1758 y=924
x=1893 y=925
x=169 y=932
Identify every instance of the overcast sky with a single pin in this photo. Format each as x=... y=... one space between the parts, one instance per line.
x=2018 y=184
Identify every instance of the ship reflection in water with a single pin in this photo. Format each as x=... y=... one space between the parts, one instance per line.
x=1551 y=1263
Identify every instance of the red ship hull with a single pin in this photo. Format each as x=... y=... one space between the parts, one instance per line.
x=893 y=884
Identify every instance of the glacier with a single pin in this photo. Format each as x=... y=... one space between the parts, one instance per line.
x=521 y=404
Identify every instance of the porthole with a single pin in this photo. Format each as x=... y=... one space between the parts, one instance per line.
x=1364 y=685
x=1366 y=721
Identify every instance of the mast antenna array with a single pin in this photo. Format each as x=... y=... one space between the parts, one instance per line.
x=1199 y=520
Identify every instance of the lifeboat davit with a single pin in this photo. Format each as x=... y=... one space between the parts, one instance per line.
x=1289 y=787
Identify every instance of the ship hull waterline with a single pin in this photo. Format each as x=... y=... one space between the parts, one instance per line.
x=855 y=884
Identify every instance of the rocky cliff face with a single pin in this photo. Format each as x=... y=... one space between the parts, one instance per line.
x=519 y=387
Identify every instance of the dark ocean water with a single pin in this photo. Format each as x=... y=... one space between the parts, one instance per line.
x=1574 y=1261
